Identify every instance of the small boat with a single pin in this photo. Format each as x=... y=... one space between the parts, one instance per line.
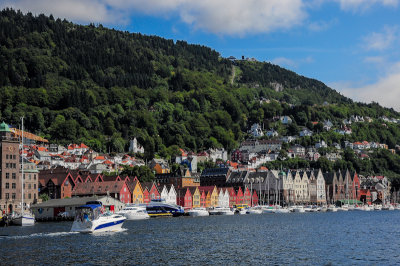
x=221 y=211
x=241 y=208
x=24 y=219
x=298 y=209
x=195 y=212
x=91 y=218
x=282 y=210
x=158 y=207
x=388 y=207
x=377 y=207
x=324 y=209
x=134 y=212
x=344 y=208
x=268 y=209
x=332 y=208
x=254 y=210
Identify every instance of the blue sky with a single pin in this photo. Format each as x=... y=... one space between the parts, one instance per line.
x=351 y=45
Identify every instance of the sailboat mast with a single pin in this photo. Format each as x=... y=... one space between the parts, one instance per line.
x=22 y=165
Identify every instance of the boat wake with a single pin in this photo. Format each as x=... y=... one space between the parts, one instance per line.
x=57 y=234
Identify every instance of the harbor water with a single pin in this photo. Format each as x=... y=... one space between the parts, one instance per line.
x=340 y=238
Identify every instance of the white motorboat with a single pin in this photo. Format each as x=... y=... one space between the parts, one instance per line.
x=377 y=207
x=91 y=218
x=195 y=212
x=332 y=208
x=268 y=209
x=282 y=210
x=388 y=207
x=351 y=207
x=134 y=212
x=344 y=208
x=24 y=219
x=298 y=209
x=254 y=210
x=221 y=211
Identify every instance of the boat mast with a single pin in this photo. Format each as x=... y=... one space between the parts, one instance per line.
x=22 y=166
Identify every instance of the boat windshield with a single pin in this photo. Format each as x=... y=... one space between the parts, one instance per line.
x=87 y=214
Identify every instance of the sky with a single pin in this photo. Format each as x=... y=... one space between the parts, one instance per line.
x=350 y=45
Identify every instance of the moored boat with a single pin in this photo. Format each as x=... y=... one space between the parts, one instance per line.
x=132 y=212
x=221 y=211
x=195 y=212
x=158 y=207
x=24 y=219
x=91 y=218
x=298 y=209
x=254 y=210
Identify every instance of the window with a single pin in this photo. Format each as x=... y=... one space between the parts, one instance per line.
x=14 y=176
x=29 y=196
x=6 y=156
x=34 y=186
x=14 y=165
x=7 y=175
x=6 y=165
x=13 y=196
x=30 y=177
x=7 y=185
x=30 y=186
x=14 y=157
x=34 y=177
x=14 y=185
x=7 y=195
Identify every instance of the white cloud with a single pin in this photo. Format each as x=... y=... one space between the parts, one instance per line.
x=386 y=91
x=232 y=17
x=287 y=62
x=77 y=10
x=362 y=5
x=380 y=41
x=283 y=61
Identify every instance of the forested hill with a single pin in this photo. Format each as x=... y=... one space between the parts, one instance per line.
x=102 y=86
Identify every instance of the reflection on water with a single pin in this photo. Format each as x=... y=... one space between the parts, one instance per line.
x=309 y=238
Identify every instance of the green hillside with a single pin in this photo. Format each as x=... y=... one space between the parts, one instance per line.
x=101 y=86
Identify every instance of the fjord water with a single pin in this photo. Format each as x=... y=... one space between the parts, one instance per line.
x=303 y=238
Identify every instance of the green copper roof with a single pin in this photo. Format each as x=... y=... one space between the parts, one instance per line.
x=4 y=127
x=282 y=173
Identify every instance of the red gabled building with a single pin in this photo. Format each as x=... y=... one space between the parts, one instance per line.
x=240 y=196
x=116 y=189
x=58 y=183
x=255 y=198
x=146 y=195
x=232 y=196
x=185 y=199
x=203 y=198
x=247 y=196
x=356 y=186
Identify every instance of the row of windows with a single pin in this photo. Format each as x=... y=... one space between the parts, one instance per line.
x=12 y=195
x=14 y=176
x=11 y=156
x=11 y=165
x=13 y=185
x=30 y=177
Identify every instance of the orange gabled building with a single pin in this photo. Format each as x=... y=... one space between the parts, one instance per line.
x=137 y=191
x=211 y=196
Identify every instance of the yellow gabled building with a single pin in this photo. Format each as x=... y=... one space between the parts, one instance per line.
x=211 y=196
x=196 y=198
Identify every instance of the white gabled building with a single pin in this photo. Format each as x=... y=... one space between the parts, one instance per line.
x=171 y=198
x=321 y=193
x=223 y=198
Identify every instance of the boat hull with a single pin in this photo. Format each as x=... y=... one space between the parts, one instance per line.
x=198 y=213
x=136 y=216
x=24 y=220
x=109 y=224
